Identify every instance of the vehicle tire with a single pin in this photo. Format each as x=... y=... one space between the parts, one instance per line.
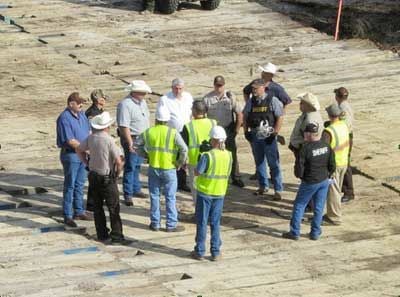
x=210 y=4
x=167 y=6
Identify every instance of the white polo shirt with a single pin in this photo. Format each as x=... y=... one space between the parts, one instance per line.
x=180 y=109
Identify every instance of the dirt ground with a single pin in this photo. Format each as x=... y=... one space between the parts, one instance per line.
x=87 y=44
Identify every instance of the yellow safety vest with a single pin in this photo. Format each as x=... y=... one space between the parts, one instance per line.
x=159 y=143
x=215 y=180
x=198 y=131
x=340 y=142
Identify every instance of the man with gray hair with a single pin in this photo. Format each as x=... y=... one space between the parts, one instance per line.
x=179 y=103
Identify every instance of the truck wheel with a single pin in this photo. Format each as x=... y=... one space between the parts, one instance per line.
x=167 y=6
x=210 y=4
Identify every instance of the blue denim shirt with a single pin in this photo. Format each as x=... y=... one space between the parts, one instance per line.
x=70 y=126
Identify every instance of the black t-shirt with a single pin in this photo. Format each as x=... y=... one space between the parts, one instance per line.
x=315 y=162
x=93 y=111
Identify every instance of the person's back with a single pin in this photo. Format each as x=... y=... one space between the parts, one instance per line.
x=160 y=146
x=317 y=162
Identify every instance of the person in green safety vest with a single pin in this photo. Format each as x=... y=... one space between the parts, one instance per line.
x=337 y=136
x=194 y=133
x=212 y=171
x=162 y=145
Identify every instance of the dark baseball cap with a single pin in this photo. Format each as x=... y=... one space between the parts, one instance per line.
x=258 y=83
x=312 y=128
x=219 y=80
x=76 y=98
x=334 y=110
x=97 y=94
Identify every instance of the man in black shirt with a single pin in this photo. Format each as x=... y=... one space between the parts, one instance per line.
x=314 y=166
x=99 y=101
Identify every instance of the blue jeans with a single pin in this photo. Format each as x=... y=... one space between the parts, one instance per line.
x=74 y=181
x=167 y=181
x=208 y=210
x=267 y=154
x=131 y=183
x=318 y=193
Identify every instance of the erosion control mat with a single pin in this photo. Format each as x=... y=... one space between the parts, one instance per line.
x=376 y=20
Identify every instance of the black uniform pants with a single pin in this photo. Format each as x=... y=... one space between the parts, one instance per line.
x=347 y=187
x=230 y=144
x=105 y=189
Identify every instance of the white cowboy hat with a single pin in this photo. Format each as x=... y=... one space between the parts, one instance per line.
x=163 y=114
x=101 y=121
x=310 y=99
x=269 y=68
x=139 y=86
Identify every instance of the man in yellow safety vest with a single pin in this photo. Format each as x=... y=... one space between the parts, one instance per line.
x=194 y=133
x=337 y=136
x=213 y=171
x=162 y=144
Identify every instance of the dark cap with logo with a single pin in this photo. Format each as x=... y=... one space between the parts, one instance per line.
x=75 y=97
x=219 y=80
x=312 y=128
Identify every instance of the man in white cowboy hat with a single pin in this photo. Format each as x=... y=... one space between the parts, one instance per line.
x=267 y=73
x=179 y=103
x=133 y=118
x=166 y=152
x=272 y=88
x=105 y=165
x=310 y=113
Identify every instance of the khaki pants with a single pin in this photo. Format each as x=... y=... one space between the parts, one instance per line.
x=191 y=183
x=333 y=204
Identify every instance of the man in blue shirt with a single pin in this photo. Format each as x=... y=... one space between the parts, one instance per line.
x=72 y=128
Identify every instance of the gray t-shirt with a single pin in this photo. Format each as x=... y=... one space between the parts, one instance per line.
x=133 y=114
x=103 y=152
x=348 y=116
x=220 y=109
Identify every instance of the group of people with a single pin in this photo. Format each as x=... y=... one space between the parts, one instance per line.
x=196 y=138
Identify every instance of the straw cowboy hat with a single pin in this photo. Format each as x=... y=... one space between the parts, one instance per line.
x=139 y=86
x=101 y=121
x=310 y=99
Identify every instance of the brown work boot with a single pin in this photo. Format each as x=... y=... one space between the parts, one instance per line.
x=70 y=223
x=261 y=191
x=216 y=258
x=140 y=195
x=277 y=196
x=196 y=256
x=176 y=229
x=84 y=217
